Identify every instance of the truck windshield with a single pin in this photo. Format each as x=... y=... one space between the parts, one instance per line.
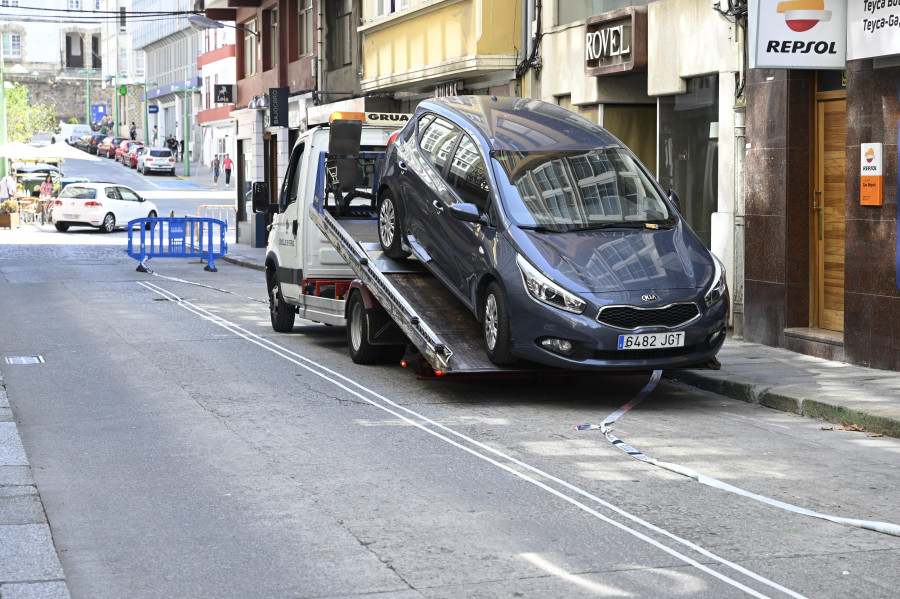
x=578 y=190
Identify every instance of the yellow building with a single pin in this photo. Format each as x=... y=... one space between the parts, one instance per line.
x=420 y=49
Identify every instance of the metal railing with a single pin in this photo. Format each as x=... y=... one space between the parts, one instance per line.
x=175 y=237
x=224 y=212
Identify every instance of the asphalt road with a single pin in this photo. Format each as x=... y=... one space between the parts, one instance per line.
x=183 y=449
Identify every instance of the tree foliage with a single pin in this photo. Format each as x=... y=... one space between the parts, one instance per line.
x=24 y=120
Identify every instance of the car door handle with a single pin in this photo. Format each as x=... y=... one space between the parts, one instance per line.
x=438 y=206
x=294 y=228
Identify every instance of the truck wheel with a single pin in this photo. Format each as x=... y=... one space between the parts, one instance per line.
x=281 y=313
x=361 y=351
x=389 y=227
x=495 y=323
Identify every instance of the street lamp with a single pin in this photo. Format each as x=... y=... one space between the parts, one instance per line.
x=145 y=85
x=186 y=128
x=87 y=86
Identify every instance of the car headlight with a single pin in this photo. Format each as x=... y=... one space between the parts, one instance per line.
x=544 y=290
x=716 y=290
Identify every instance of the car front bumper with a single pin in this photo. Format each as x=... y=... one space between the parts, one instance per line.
x=595 y=345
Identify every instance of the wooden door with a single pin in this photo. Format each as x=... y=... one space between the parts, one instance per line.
x=828 y=206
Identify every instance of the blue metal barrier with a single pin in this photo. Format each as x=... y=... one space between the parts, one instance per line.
x=185 y=237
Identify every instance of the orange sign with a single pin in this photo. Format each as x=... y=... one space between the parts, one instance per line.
x=870 y=175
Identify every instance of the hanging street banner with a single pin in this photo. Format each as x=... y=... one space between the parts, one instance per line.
x=799 y=34
x=873 y=28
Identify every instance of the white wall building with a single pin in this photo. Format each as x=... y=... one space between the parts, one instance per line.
x=171 y=48
x=47 y=41
x=217 y=69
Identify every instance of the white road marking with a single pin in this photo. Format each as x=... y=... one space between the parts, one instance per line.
x=481 y=451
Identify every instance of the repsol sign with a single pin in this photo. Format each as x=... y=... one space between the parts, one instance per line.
x=616 y=42
x=801 y=47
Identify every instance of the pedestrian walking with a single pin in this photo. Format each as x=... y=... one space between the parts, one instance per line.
x=133 y=131
x=47 y=188
x=215 y=168
x=227 y=164
x=181 y=150
x=155 y=136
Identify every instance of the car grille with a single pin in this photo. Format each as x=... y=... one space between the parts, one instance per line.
x=630 y=317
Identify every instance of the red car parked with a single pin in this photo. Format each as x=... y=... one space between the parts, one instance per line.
x=130 y=158
x=122 y=149
x=108 y=146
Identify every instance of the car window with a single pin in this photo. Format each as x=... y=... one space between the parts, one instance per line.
x=423 y=124
x=129 y=195
x=437 y=142
x=160 y=153
x=83 y=193
x=113 y=193
x=291 y=188
x=571 y=190
x=468 y=176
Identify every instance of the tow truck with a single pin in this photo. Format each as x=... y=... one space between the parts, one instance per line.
x=324 y=262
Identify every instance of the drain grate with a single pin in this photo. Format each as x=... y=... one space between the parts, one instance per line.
x=25 y=359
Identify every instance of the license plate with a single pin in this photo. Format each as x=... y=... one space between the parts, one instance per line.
x=651 y=341
x=70 y=216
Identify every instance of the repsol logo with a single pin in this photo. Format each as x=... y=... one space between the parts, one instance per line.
x=800 y=47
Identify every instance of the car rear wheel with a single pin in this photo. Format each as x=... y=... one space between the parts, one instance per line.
x=361 y=351
x=109 y=223
x=61 y=227
x=495 y=323
x=152 y=214
x=389 y=227
x=281 y=313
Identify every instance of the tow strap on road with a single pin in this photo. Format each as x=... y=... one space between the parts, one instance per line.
x=604 y=427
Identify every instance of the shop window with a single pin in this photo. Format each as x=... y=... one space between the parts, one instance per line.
x=688 y=152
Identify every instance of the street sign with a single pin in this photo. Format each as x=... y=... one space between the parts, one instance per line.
x=152 y=109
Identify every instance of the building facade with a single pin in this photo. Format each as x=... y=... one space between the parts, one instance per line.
x=822 y=270
x=217 y=67
x=172 y=78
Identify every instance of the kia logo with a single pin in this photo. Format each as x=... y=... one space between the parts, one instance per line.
x=650 y=297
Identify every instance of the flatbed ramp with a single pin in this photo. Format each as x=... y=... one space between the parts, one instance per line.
x=433 y=319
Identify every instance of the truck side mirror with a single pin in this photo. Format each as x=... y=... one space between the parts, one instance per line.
x=261 y=203
x=673 y=197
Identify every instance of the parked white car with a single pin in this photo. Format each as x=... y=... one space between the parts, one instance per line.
x=106 y=206
x=156 y=159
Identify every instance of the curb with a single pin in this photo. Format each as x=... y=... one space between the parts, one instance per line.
x=781 y=398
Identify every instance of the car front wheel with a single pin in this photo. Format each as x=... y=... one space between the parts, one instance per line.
x=389 y=227
x=281 y=313
x=495 y=323
x=109 y=223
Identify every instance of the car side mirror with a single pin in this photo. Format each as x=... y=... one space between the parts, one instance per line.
x=673 y=197
x=468 y=213
x=261 y=203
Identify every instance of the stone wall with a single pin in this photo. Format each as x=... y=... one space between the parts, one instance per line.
x=68 y=94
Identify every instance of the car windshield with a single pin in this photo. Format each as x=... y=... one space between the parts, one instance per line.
x=84 y=193
x=578 y=190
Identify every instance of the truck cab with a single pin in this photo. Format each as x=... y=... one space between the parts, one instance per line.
x=305 y=273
